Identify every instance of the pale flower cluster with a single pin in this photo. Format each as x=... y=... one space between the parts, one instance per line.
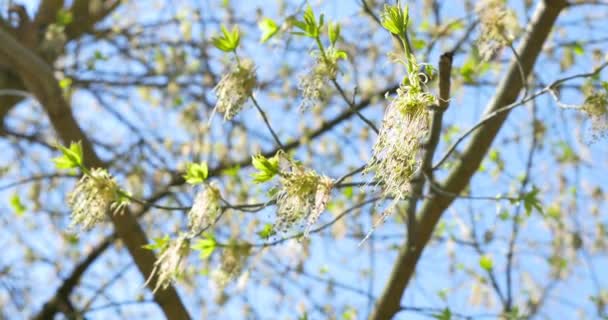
x=171 y=263
x=206 y=208
x=232 y=263
x=313 y=83
x=596 y=108
x=498 y=26
x=303 y=195
x=95 y=195
x=234 y=89
x=405 y=124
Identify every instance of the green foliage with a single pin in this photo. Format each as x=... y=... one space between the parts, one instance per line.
x=486 y=262
x=196 y=173
x=446 y=314
x=64 y=17
x=532 y=201
x=395 y=19
x=309 y=27
x=205 y=246
x=71 y=157
x=229 y=40
x=269 y=29
x=267 y=232
x=16 y=204
x=267 y=168
x=158 y=244
x=65 y=83
x=333 y=30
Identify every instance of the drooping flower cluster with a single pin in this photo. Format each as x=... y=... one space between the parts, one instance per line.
x=596 y=108
x=205 y=209
x=234 y=89
x=232 y=263
x=171 y=263
x=405 y=124
x=498 y=26
x=303 y=195
x=314 y=82
x=96 y=194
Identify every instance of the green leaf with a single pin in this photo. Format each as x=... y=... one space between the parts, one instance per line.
x=205 y=246
x=310 y=28
x=486 y=263
x=531 y=201
x=196 y=173
x=71 y=157
x=395 y=19
x=158 y=243
x=65 y=83
x=229 y=40
x=269 y=29
x=267 y=232
x=333 y=29
x=64 y=17
x=267 y=168
x=578 y=49
x=17 y=206
x=446 y=314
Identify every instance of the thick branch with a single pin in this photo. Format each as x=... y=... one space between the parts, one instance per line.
x=38 y=78
x=432 y=209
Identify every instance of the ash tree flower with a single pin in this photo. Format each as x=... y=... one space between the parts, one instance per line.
x=498 y=26
x=232 y=263
x=171 y=263
x=314 y=83
x=325 y=68
x=96 y=194
x=234 y=89
x=596 y=108
x=302 y=194
x=405 y=124
x=206 y=208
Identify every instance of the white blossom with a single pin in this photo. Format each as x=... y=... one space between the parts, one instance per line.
x=206 y=208
x=234 y=89
x=171 y=263
x=498 y=26
x=95 y=195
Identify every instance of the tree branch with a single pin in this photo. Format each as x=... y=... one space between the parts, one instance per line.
x=39 y=80
x=432 y=209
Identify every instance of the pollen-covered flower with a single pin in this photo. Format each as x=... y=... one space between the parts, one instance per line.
x=232 y=263
x=234 y=89
x=303 y=195
x=313 y=83
x=498 y=26
x=405 y=124
x=596 y=108
x=95 y=195
x=205 y=209
x=171 y=263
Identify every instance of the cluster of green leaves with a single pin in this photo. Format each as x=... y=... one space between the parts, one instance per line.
x=267 y=168
x=395 y=19
x=160 y=244
x=269 y=29
x=205 y=246
x=71 y=157
x=196 y=173
x=309 y=27
x=64 y=17
x=228 y=41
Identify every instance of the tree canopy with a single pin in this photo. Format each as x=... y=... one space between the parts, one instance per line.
x=303 y=159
